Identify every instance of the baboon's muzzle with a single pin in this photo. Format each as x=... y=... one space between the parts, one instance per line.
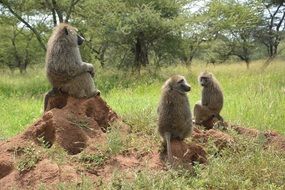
x=186 y=88
x=80 y=40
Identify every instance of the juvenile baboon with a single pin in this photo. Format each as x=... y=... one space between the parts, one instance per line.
x=212 y=100
x=65 y=69
x=174 y=115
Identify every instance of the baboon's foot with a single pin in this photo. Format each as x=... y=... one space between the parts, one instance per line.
x=219 y=117
x=196 y=122
x=96 y=93
x=55 y=98
x=54 y=92
x=207 y=123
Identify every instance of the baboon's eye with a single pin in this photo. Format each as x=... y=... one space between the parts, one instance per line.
x=181 y=81
x=65 y=31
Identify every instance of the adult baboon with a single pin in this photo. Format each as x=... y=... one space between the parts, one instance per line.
x=174 y=115
x=65 y=69
x=212 y=100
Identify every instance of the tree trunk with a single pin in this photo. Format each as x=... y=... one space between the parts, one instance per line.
x=141 y=52
x=247 y=63
x=189 y=60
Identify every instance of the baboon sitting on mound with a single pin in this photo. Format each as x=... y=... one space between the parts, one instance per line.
x=174 y=115
x=212 y=100
x=65 y=69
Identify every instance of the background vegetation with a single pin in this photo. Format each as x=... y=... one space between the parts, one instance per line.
x=129 y=34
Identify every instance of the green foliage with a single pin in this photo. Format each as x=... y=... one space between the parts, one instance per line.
x=92 y=160
x=81 y=123
x=57 y=154
x=86 y=184
x=245 y=165
x=253 y=98
x=28 y=159
x=249 y=167
x=130 y=34
x=230 y=24
x=115 y=141
x=133 y=30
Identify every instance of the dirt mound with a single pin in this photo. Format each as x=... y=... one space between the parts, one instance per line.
x=219 y=138
x=71 y=124
x=271 y=139
x=71 y=139
x=76 y=138
x=188 y=154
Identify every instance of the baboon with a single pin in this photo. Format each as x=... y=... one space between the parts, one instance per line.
x=65 y=69
x=212 y=100
x=174 y=115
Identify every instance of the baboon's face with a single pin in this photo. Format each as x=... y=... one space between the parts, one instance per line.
x=205 y=79
x=180 y=84
x=73 y=36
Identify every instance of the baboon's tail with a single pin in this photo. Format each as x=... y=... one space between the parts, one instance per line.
x=167 y=137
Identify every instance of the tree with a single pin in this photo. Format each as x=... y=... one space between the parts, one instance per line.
x=18 y=48
x=24 y=10
x=271 y=32
x=134 y=28
x=235 y=23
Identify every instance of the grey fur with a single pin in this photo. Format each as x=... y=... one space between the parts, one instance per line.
x=65 y=69
x=212 y=100
x=174 y=114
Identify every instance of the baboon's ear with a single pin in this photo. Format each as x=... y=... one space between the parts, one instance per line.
x=65 y=30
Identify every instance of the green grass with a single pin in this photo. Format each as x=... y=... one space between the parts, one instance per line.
x=251 y=167
x=21 y=100
x=253 y=98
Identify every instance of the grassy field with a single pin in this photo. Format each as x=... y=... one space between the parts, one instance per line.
x=253 y=98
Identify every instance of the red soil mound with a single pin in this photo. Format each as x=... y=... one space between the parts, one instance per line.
x=78 y=125
x=219 y=138
x=271 y=138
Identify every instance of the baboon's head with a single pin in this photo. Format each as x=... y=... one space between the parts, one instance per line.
x=178 y=83
x=68 y=35
x=205 y=79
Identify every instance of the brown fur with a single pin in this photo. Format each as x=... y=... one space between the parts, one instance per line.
x=212 y=100
x=174 y=115
x=65 y=69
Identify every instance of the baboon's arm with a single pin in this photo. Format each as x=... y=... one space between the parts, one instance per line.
x=78 y=69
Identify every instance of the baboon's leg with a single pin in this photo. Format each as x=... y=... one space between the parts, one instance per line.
x=219 y=117
x=90 y=89
x=82 y=86
x=52 y=93
x=167 y=137
x=75 y=87
x=201 y=113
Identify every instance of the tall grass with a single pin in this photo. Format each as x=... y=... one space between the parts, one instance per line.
x=253 y=97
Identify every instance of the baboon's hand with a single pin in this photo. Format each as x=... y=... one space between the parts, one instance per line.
x=92 y=73
x=91 y=70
